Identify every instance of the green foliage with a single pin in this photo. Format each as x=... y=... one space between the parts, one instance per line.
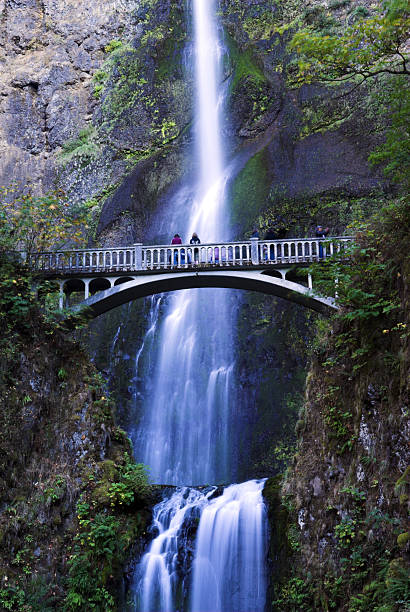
x=359 y=497
x=102 y=536
x=37 y=223
x=85 y=147
x=133 y=483
x=373 y=47
x=388 y=592
x=345 y=532
x=113 y=45
x=12 y=598
x=90 y=562
x=337 y=4
x=365 y=281
x=394 y=154
x=295 y=595
x=367 y=48
x=55 y=491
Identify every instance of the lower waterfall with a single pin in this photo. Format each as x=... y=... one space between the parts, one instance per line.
x=228 y=569
x=229 y=565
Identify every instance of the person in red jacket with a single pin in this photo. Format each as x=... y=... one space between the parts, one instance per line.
x=177 y=240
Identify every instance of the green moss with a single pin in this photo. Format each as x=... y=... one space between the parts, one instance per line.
x=113 y=45
x=250 y=191
x=280 y=549
x=403 y=482
x=403 y=539
x=84 y=147
x=244 y=65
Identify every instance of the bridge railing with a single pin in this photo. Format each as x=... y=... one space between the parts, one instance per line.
x=253 y=252
x=137 y=257
x=85 y=260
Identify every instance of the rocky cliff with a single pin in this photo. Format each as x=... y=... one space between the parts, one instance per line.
x=346 y=495
x=73 y=503
x=97 y=100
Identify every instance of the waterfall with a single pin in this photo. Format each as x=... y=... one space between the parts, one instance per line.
x=156 y=579
x=187 y=434
x=229 y=566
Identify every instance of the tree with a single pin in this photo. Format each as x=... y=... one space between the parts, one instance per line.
x=373 y=46
x=38 y=223
x=373 y=49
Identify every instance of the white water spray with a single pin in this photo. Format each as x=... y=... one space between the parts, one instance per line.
x=229 y=566
x=188 y=431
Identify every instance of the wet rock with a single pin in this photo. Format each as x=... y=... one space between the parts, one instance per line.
x=317 y=486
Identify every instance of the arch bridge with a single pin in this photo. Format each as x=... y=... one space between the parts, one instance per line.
x=110 y=277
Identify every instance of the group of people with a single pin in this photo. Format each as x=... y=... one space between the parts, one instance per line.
x=279 y=233
x=272 y=233
x=194 y=240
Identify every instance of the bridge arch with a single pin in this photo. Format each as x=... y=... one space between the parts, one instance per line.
x=151 y=284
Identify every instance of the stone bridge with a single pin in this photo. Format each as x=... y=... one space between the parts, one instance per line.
x=110 y=277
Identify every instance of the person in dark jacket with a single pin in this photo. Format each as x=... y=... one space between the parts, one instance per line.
x=270 y=234
x=255 y=233
x=195 y=240
x=321 y=233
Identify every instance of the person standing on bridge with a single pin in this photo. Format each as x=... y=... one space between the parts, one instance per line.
x=176 y=240
x=269 y=235
x=195 y=240
x=321 y=233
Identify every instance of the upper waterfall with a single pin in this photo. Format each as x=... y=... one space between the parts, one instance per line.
x=188 y=433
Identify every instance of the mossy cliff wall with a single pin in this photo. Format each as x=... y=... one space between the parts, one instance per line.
x=74 y=506
x=98 y=102
x=347 y=491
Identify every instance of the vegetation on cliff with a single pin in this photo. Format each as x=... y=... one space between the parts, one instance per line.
x=346 y=492
x=73 y=500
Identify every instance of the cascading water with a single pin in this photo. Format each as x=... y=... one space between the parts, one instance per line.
x=187 y=432
x=229 y=566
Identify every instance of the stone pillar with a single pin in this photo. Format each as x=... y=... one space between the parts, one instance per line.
x=86 y=282
x=254 y=251
x=61 y=297
x=138 y=255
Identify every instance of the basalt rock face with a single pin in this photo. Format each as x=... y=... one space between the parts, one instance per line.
x=61 y=453
x=309 y=141
x=347 y=492
x=96 y=99
x=49 y=52
x=87 y=92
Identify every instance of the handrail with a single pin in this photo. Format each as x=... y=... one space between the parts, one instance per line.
x=139 y=257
